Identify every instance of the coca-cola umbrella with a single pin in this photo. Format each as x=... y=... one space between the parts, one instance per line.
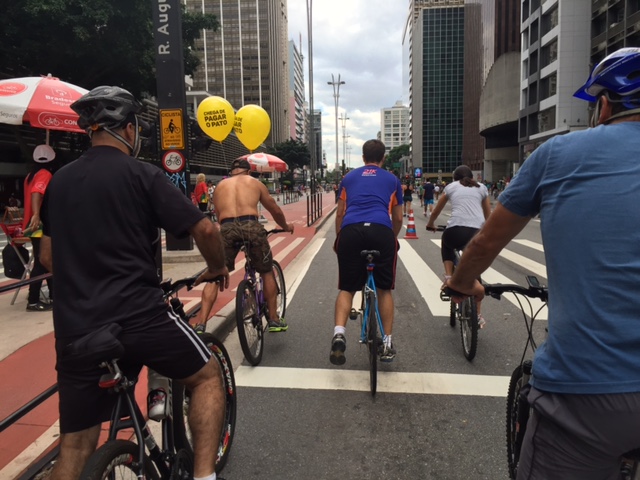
x=265 y=162
x=42 y=102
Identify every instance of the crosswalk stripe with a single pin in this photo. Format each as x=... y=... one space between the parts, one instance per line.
x=358 y=380
x=492 y=276
x=529 y=243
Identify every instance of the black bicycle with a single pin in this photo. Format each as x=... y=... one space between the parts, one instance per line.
x=118 y=458
x=252 y=314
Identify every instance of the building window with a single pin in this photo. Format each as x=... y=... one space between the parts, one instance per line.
x=547 y=119
x=548 y=86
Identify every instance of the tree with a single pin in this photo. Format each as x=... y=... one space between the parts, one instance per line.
x=396 y=153
x=89 y=42
x=295 y=154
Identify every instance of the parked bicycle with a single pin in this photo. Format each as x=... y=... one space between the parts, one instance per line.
x=252 y=314
x=371 y=328
x=119 y=458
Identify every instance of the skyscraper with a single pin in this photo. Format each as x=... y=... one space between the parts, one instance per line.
x=394 y=126
x=296 y=94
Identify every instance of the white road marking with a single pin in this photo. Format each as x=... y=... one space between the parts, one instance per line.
x=358 y=380
x=31 y=453
x=426 y=281
x=530 y=244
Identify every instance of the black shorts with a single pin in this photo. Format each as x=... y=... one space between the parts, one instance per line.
x=166 y=344
x=455 y=238
x=352 y=267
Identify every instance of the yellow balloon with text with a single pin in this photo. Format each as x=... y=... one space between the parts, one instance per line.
x=252 y=126
x=216 y=117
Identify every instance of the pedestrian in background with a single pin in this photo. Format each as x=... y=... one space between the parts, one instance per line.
x=201 y=192
x=35 y=186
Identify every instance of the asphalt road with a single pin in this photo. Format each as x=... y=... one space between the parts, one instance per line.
x=436 y=416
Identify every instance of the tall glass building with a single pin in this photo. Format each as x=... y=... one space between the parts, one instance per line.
x=435 y=30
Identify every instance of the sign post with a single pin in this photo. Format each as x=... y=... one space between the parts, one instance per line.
x=172 y=102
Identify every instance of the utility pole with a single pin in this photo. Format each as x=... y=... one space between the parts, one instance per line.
x=336 y=99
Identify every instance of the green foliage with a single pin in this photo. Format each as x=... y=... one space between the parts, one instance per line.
x=395 y=154
x=295 y=154
x=89 y=42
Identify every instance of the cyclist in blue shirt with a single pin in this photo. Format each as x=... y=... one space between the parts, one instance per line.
x=367 y=196
x=585 y=388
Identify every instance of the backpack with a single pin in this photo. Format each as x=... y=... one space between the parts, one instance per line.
x=13 y=266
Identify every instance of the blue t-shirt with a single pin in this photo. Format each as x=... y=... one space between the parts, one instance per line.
x=428 y=191
x=369 y=193
x=586 y=187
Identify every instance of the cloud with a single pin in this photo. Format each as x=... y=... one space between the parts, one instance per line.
x=362 y=41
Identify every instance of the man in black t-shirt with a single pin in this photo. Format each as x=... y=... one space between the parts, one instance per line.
x=101 y=216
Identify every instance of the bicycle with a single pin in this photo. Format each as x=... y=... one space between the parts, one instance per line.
x=174 y=460
x=465 y=313
x=370 y=320
x=252 y=314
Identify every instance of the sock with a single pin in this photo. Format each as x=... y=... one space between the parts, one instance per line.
x=387 y=341
x=337 y=330
x=210 y=477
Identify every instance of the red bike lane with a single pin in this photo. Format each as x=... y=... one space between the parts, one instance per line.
x=30 y=369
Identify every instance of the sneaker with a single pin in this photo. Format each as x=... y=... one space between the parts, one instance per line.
x=338 y=346
x=39 y=307
x=278 y=325
x=481 y=321
x=388 y=354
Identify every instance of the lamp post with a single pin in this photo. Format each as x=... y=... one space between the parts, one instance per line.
x=312 y=136
x=336 y=99
x=343 y=120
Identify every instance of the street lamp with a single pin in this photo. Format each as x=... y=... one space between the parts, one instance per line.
x=312 y=137
x=336 y=99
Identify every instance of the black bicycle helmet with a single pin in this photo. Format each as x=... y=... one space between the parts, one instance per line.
x=462 y=172
x=105 y=107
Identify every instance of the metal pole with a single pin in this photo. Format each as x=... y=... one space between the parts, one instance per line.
x=336 y=98
x=312 y=135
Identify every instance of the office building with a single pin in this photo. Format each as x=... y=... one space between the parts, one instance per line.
x=296 y=93
x=394 y=126
x=614 y=25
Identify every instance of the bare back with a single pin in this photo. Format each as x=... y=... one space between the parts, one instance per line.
x=239 y=195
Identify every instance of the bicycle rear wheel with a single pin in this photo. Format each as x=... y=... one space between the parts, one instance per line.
x=182 y=397
x=517 y=418
x=469 y=327
x=117 y=460
x=281 y=295
x=372 y=342
x=453 y=311
x=250 y=328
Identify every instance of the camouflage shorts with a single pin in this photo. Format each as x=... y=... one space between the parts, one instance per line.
x=234 y=233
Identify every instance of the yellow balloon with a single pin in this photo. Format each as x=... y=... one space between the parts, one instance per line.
x=216 y=117
x=252 y=126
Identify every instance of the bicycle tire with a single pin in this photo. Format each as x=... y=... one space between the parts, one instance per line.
x=181 y=398
x=115 y=458
x=281 y=295
x=469 y=327
x=517 y=417
x=372 y=343
x=250 y=328
x=453 y=311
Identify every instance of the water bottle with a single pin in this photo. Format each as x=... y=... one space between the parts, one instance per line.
x=157 y=401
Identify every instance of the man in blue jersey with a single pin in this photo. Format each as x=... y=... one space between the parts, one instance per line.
x=585 y=388
x=366 y=197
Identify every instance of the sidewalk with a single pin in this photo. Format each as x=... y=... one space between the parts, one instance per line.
x=27 y=357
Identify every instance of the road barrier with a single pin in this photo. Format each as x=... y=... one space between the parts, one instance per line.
x=314 y=208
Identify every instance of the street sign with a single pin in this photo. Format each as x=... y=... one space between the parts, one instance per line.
x=171 y=134
x=173 y=161
x=418 y=173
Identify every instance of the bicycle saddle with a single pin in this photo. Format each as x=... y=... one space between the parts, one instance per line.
x=98 y=346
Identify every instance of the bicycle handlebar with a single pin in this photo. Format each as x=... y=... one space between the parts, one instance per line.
x=495 y=290
x=275 y=230
x=169 y=288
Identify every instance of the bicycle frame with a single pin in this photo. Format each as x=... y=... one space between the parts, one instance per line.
x=370 y=289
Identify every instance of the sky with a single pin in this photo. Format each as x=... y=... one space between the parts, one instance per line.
x=361 y=40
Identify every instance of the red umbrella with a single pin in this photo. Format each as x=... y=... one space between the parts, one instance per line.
x=265 y=162
x=42 y=102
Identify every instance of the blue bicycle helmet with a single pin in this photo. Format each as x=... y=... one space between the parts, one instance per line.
x=618 y=73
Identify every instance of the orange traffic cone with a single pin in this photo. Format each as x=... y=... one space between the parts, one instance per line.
x=411 y=228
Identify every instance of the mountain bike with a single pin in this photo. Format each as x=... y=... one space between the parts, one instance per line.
x=465 y=313
x=371 y=328
x=252 y=314
x=119 y=458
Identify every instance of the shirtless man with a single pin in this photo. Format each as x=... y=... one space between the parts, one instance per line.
x=235 y=201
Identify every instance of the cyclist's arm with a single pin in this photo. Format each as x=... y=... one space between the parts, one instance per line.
x=274 y=209
x=211 y=246
x=340 y=211
x=396 y=219
x=501 y=226
x=486 y=207
x=436 y=211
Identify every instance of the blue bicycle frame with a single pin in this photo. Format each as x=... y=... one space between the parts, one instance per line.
x=370 y=289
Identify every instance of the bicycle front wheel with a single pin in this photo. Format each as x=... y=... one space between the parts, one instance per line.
x=453 y=311
x=517 y=418
x=372 y=342
x=117 y=460
x=250 y=328
x=281 y=290
x=182 y=398
x=469 y=327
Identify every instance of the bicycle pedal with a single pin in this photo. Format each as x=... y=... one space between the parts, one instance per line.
x=444 y=297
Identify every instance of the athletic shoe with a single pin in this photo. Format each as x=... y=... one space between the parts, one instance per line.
x=338 y=346
x=278 y=325
x=388 y=354
x=481 y=321
x=39 y=307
